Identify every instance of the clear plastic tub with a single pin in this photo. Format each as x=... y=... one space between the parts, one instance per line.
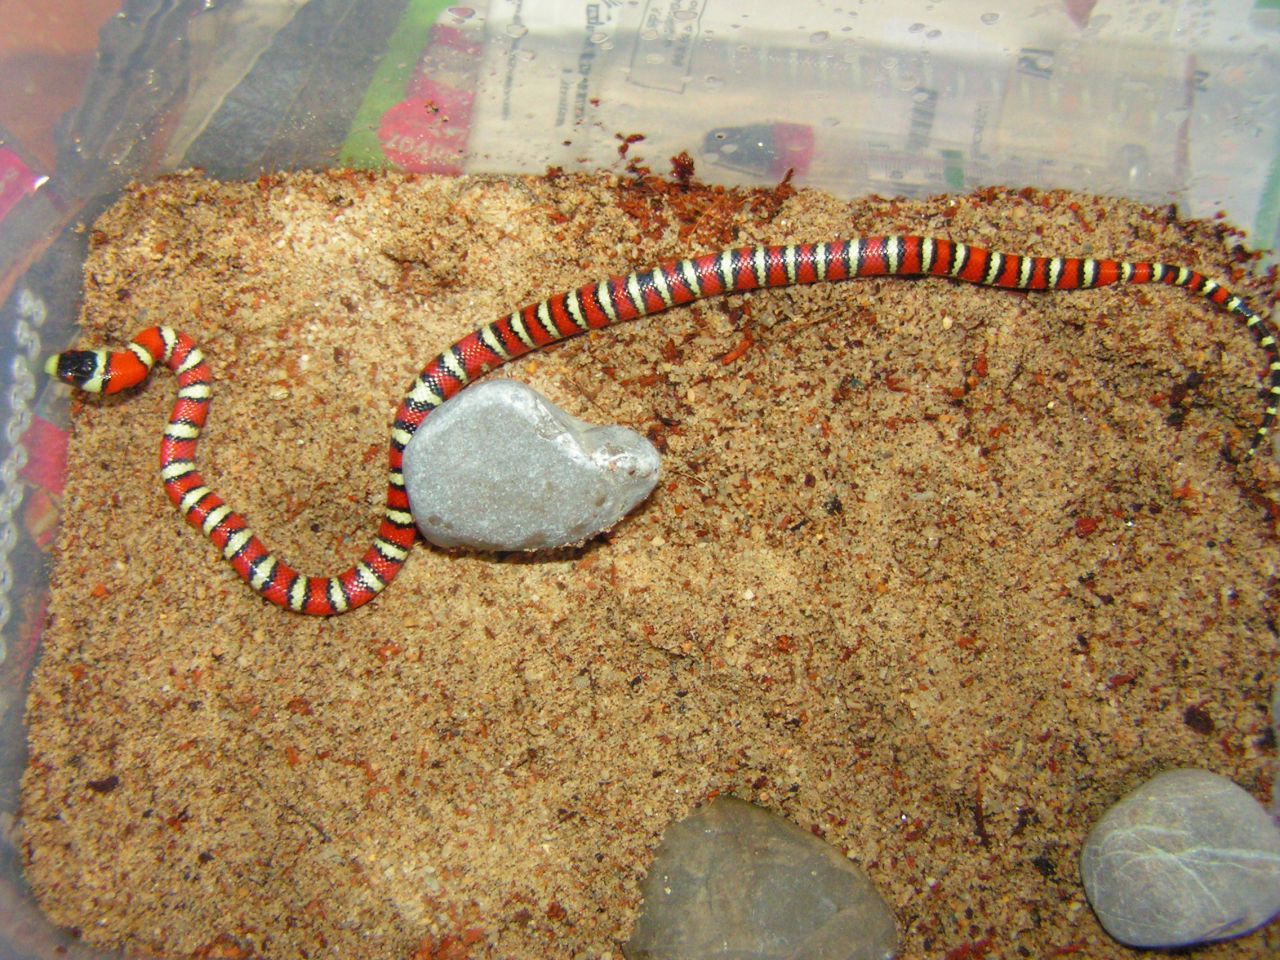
x=1160 y=101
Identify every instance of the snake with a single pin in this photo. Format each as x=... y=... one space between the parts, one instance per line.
x=592 y=306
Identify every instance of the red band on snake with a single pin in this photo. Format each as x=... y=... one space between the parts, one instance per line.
x=590 y=307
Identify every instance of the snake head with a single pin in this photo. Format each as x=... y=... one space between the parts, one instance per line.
x=80 y=368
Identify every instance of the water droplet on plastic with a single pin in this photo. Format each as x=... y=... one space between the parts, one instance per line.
x=598 y=37
x=685 y=15
x=654 y=59
x=915 y=28
x=526 y=54
x=516 y=30
x=712 y=82
x=462 y=13
x=1044 y=61
x=990 y=18
x=933 y=35
x=819 y=36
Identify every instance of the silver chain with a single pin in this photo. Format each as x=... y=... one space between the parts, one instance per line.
x=32 y=314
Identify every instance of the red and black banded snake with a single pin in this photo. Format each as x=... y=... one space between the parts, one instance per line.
x=590 y=307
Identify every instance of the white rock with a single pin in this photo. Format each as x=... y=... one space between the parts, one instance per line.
x=500 y=467
x=1185 y=858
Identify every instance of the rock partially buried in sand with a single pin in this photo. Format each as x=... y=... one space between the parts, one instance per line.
x=1185 y=858
x=736 y=881
x=500 y=467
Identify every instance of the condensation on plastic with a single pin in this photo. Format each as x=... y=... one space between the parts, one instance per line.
x=884 y=96
x=1160 y=102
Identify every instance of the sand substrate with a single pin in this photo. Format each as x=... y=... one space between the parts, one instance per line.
x=936 y=571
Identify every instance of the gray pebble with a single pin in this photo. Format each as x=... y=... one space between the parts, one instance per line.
x=736 y=881
x=500 y=467
x=1186 y=858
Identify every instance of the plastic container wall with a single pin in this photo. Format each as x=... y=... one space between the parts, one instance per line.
x=1160 y=100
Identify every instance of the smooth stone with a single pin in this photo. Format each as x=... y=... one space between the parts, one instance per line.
x=1186 y=858
x=500 y=467
x=736 y=881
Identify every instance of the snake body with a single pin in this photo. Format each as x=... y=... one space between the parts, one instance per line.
x=590 y=307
